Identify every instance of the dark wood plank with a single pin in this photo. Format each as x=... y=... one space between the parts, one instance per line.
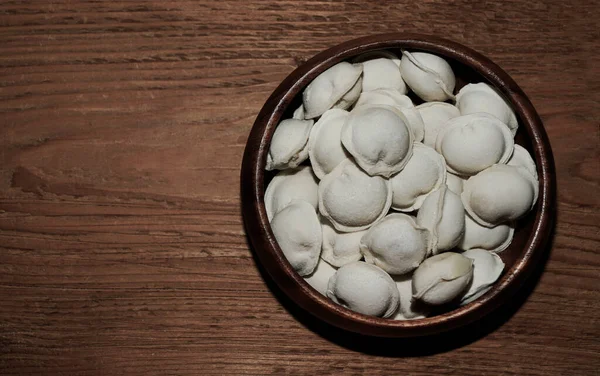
x=123 y=123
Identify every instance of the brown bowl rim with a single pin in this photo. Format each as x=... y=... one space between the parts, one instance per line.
x=268 y=251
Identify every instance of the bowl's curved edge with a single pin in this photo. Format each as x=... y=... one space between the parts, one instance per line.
x=261 y=236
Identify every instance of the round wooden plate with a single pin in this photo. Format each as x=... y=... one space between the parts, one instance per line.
x=532 y=231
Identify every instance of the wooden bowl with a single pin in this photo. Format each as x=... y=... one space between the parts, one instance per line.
x=532 y=231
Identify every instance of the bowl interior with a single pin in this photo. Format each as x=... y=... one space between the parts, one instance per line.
x=469 y=67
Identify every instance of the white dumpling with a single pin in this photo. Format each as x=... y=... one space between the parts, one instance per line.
x=481 y=97
x=319 y=278
x=409 y=309
x=415 y=122
x=290 y=185
x=396 y=244
x=299 y=113
x=328 y=88
x=387 y=97
x=352 y=200
x=298 y=233
x=428 y=75
x=472 y=143
x=442 y=278
x=350 y=98
x=399 y=101
x=325 y=148
x=288 y=145
x=379 y=139
x=435 y=115
x=364 y=288
x=487 y=268
x=424 y=173
x=499 y=194
x=443 y=214
x=454 y=183
x=494 y=239
x=340 y=248
x=382 y=73
x=521 y=158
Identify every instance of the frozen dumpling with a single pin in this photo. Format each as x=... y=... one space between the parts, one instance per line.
x=521 y=158
x=400 y=102
x=364 y=288
x=443 y=214
x=289 y=185
x=352 y=200
x=415 y=123
x=428 y=75
x=396 y=244
x=481 y=97
x=424 y=173
x=379 y=139
x=409 y=308
x=472 y=143
x=487 y=268
x=382 y=73
x=454 y=183
x=298 y=113
x=435 y=115
x=388 y=97
x=340 y=248
x=499 y=194
x=494 y=239
x=324 y=145
x=442 y=278
x=288 y=145
x=319 y=278
x=298 y=233
x=350 y=97
x=328 y=88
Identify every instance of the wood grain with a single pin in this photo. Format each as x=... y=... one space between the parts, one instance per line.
x=123 y=123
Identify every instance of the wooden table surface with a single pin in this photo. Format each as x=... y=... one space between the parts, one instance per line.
x=122 y=128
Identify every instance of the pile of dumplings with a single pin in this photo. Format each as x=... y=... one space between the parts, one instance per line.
x=390 y=209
